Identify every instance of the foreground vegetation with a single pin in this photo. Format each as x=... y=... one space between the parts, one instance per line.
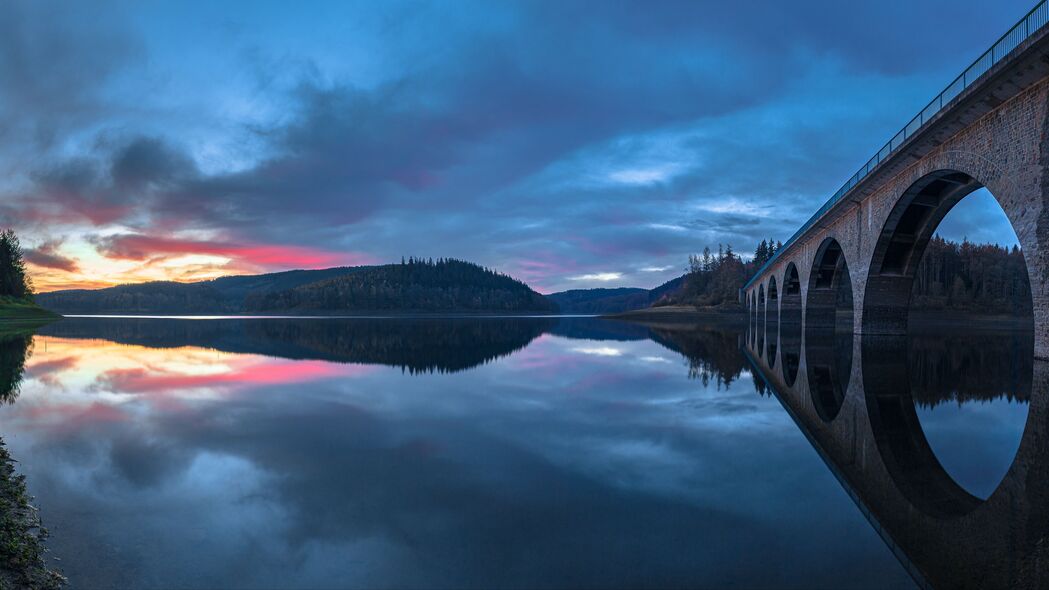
x=22 y=551
x=19 y=312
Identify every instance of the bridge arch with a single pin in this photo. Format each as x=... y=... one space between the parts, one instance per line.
x=911 y=224
x=830 y=285
x=773 y=299
x=760 y=324
x=790 y=324
x=828 y=353
x=772 y=321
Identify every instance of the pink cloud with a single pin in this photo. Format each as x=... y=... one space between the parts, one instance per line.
x=144 y=247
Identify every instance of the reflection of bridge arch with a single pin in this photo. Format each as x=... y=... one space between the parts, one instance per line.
x=944 y=536
x=790 y=323
x=898 y=433
x=828 y=355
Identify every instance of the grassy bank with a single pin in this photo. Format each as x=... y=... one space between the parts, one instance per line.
x=18 y=312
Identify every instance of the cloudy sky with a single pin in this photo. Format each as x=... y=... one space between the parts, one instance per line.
x=570 y=144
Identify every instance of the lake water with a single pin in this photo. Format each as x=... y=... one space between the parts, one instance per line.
x=527 y=452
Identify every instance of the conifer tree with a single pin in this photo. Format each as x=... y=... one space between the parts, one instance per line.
x=14 y=282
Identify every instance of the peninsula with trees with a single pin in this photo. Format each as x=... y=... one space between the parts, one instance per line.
x=17 y=303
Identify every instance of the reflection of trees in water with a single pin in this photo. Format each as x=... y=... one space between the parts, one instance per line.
x=711 y=354
x=963 y=368
x=416 y=346
x=589 y=328
x=419 y=345
x=759 y=384
x=23 y=562
x=14 y=350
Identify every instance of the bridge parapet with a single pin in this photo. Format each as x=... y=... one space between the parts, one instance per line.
x=989 y=128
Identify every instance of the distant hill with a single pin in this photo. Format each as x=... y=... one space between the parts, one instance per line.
x=414 y=286
x=417 y=286
x=601 y=301
x=667 y=289
x=218 y=296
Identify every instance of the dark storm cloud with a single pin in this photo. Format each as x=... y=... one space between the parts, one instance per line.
x=435 y=140
x=55 y=59
x=148 y=161
x=448 y=140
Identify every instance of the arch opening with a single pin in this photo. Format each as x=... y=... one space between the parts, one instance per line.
x=904 y=277
x=949 y=279
x=828 y=323
x=772 y=322
x=760 y=324
x=790 y=324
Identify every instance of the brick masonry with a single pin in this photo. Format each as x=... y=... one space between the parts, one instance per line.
x=1006 y=149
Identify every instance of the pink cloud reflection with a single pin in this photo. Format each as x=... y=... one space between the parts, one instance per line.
x=140 y=380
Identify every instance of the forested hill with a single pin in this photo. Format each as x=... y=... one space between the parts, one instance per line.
x=600 y=301
x=218 y=296
x=414 y=286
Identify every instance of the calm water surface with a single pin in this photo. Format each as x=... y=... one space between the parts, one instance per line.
x=280 y=453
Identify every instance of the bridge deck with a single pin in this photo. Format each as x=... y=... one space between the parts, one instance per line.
x=1013 y=63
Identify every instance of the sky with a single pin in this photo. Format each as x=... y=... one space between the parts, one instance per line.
x=571 y=145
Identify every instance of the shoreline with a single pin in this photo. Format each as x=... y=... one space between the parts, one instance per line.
x=920 y=321
x=24 y=312
x=364 y=315
x=682 y=314
x=23 y=562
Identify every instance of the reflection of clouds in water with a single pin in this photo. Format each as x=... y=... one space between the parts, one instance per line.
x=976 y=441
x=655 y=359
x=599 y=351
x=617 y=472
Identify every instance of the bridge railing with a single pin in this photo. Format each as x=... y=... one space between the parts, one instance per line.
x=1030 y=24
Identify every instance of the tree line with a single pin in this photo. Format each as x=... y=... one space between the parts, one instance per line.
x=972 y=277
x=954 y=276
x=714 y=280
x=444 y=285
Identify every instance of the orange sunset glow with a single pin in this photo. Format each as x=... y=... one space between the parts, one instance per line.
x=136 y=258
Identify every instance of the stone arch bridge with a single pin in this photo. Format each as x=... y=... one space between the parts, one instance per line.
x=989 y=128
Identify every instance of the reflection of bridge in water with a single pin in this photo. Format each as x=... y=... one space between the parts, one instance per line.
x=856 y=398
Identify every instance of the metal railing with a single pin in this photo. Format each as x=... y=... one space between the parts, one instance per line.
x=1028 y=25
